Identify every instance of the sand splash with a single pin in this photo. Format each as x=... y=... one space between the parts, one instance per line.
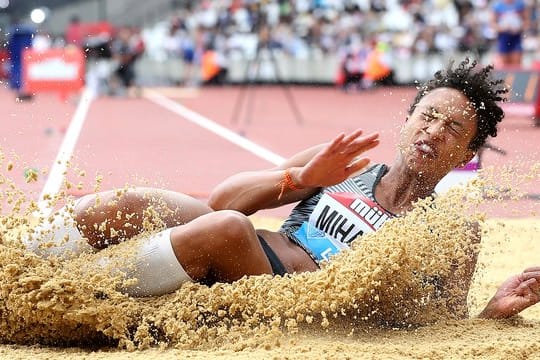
x=409 y=273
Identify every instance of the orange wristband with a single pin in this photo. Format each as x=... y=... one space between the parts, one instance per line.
x=286 y=182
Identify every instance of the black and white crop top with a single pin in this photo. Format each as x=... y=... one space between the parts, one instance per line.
x=328 y=221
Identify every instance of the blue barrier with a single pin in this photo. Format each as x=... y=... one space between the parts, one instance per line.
x=20 y=38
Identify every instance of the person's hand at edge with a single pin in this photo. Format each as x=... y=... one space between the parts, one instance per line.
x=514 y=295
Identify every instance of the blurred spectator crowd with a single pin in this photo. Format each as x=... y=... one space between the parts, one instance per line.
x=369 y=37
x=313 y=28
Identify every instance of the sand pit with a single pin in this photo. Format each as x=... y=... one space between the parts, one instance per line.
x=381 y=300
x=509 y=246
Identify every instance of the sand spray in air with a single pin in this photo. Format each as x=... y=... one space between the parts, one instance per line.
x=410 y=273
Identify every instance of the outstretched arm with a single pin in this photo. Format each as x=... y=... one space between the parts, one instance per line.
x=322 y=165
x=514 y=295
x=457 y=285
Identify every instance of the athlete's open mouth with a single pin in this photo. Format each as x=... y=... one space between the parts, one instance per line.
x=426 y=148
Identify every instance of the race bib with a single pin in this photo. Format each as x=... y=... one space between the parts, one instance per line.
x=316 y=241
x=338 y=219
x=345 y=216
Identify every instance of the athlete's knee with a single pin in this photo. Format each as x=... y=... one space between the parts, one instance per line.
x=234 y=227
x=208 y=237
x=83 y=203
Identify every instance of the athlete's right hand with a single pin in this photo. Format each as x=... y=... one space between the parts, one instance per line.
x=516 y=294
x=337 y=161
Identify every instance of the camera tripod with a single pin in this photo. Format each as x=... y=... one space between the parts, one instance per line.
x=249 y=80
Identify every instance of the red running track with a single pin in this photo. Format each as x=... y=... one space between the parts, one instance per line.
x=30 y=136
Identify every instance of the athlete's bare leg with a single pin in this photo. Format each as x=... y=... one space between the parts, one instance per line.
x=515 y=58
x=223 y=246
x=220 y=246
x=505 y=59
x=110 y=217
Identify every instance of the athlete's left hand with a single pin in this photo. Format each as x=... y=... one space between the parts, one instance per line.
x=337 y=161
x=514 y=295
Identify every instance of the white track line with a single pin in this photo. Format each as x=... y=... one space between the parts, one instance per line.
x=59 y=167
x=212 y=126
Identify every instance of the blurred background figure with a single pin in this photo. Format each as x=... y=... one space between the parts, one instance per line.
x=510 y=20
x=180 y=45
x=213 y=67
x=190 y=57
x=74 y=32
x=127 y=48
x=353 y=67
x=20 y=38
x=379 y=69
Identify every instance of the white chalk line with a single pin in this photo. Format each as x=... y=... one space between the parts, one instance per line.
x=214 y=127
x=58 y=170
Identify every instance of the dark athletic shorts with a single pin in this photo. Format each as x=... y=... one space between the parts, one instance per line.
x=277 y=265
x=508 y=43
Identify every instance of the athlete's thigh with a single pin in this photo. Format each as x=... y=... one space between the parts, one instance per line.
x=116 y=215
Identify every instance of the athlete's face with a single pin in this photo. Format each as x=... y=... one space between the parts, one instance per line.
x=436 y=137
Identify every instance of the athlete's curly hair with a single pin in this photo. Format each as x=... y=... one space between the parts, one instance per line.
x=484 y=93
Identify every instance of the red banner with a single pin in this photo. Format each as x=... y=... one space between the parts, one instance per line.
x=60 y=70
